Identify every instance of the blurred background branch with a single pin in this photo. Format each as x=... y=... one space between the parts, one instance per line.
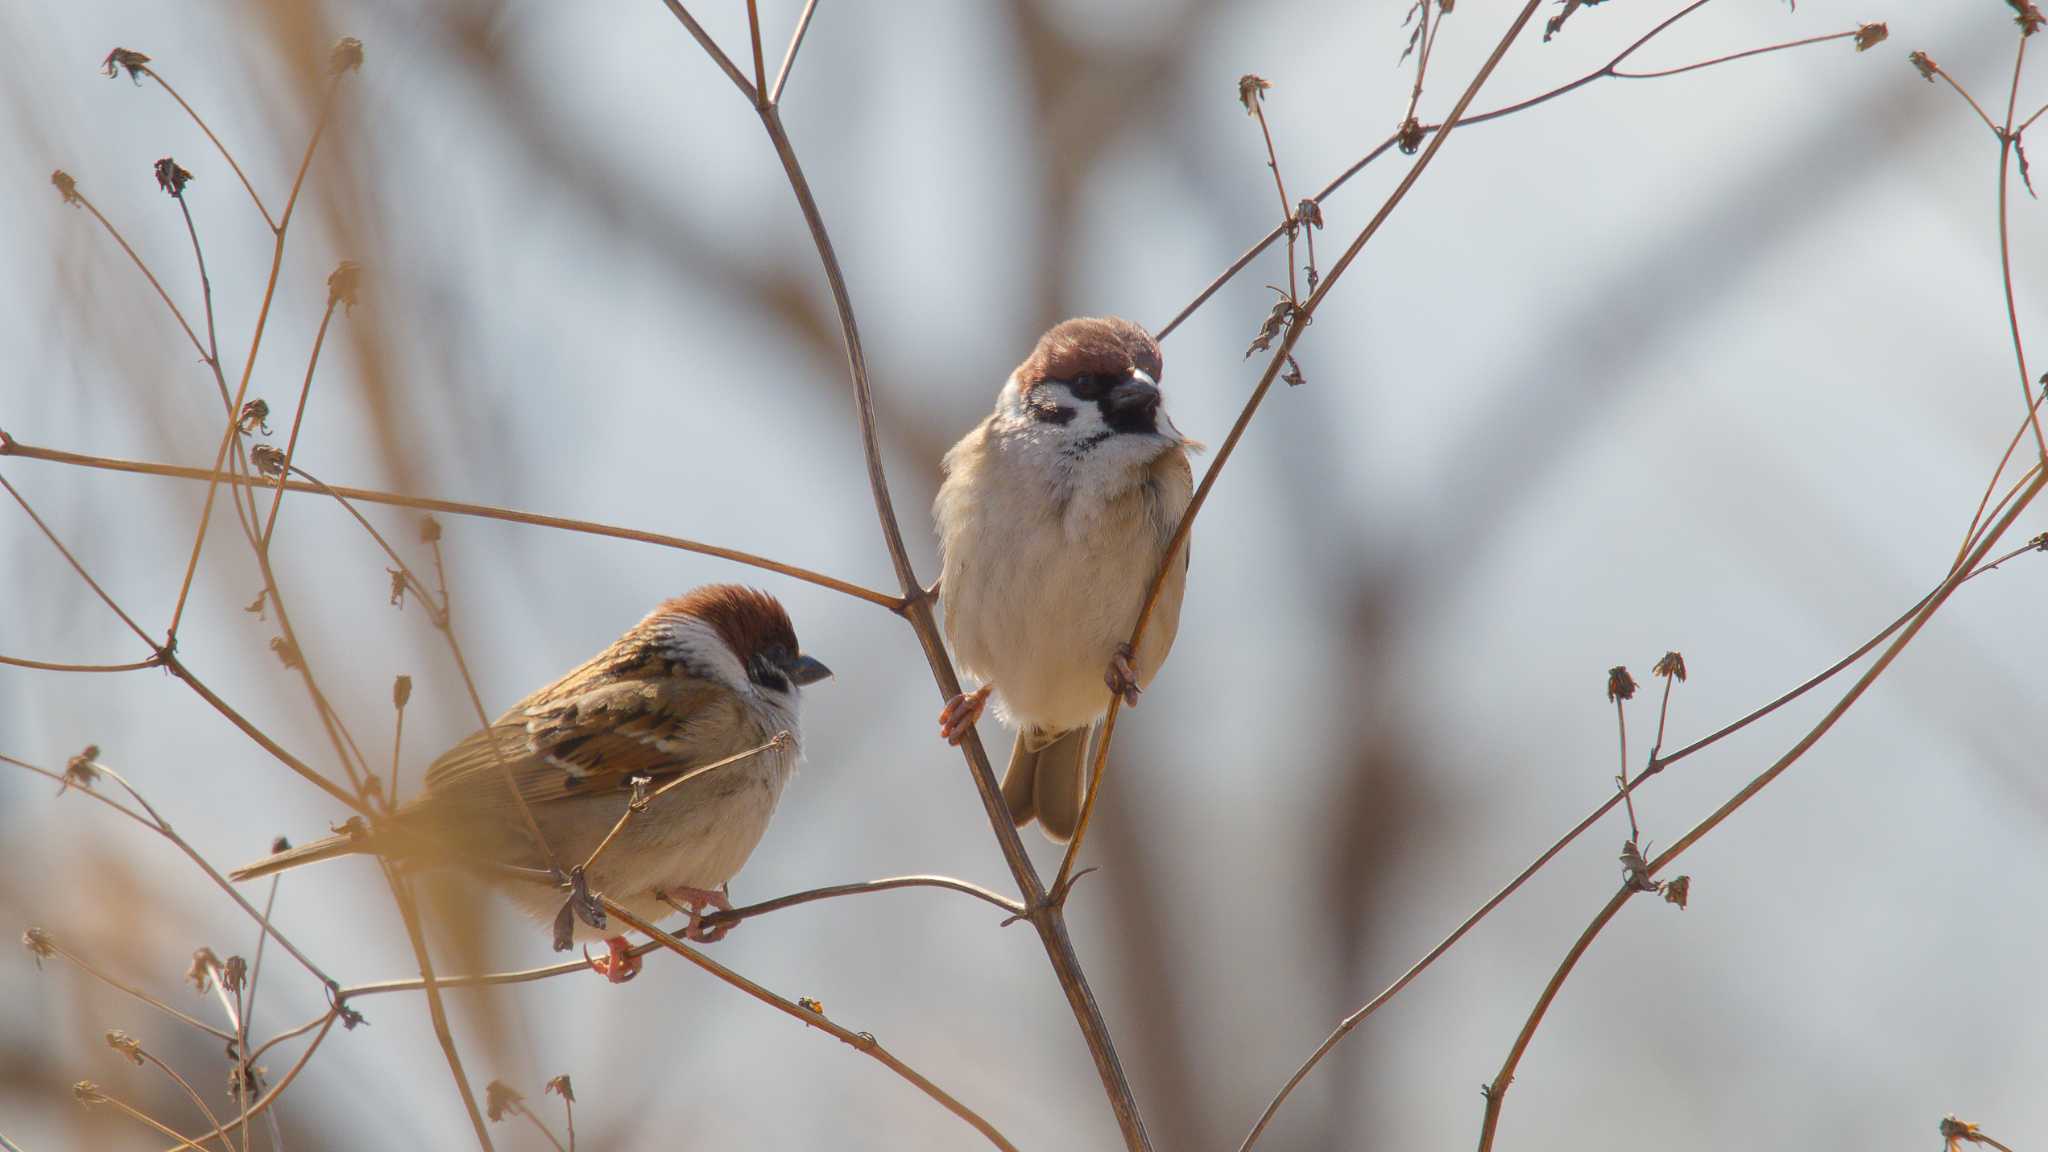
x=1687 y=387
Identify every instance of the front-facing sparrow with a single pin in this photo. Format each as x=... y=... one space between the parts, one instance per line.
x=1055 y=515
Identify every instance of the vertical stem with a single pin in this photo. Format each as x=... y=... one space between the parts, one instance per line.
x=1044 y=917
x=409 y=912
x=2006 y=140
x=760 y=70
x=249 y=365
x=291 y=444
x=1302 y=316
x=1621 y=719
x=225 y=154
x=1286 y=205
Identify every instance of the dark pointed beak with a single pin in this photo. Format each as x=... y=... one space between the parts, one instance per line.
x=1133 y=406
x=805 y=671
x=1137 y=395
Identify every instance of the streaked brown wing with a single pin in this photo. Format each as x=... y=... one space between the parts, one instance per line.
x=595 y=729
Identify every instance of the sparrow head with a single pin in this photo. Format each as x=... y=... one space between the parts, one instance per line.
x=737 y=635
x=1093 y=377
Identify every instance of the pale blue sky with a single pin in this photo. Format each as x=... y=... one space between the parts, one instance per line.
x=1715 y=363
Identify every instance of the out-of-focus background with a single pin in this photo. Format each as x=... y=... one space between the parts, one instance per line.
x=1715 y=363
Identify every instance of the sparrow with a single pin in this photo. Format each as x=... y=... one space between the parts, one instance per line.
x=1054 y=517
x=706 y=676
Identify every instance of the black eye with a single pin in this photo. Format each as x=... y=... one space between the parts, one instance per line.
x=1089 y=386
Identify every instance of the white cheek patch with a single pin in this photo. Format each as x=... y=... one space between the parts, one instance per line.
x=697 y=645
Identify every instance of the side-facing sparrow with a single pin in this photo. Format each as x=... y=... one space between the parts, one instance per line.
x=704 y=677
x=1053 y=519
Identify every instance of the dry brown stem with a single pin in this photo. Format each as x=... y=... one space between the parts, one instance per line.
x=861 y=1042
x=1496 y=1094
x=12 y=447
x=1299 y=322
x=1607 y=70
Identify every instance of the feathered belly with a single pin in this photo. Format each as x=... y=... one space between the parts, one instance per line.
x=1040 y=617
x=697 y=836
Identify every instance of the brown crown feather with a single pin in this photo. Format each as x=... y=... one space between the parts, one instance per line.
x=1091 y=345
x=747 y=619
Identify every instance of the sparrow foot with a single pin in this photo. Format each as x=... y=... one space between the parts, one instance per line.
x=692 y=902
x=957 y=718
x=618 y=965
x=1122 y=675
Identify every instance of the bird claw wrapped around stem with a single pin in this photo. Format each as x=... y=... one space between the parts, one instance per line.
x=957 y=718
x=1122 y=675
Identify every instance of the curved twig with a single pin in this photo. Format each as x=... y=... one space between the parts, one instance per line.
x=54 y=666
x=270 y=1096
x=1497 y=1092
x=146 y=70
x=730 y=916
x=11 y=447
x=42 y=941
x=1044 y=916
x=1299 y=322
x=859 y=1041
x=1656 y=766
x=249 y=363
x=1380 y=149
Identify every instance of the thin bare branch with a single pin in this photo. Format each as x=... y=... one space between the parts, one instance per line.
x=177 y=668
x=1609 y=69
x=163 y=828
x=144 y=1055
x=1956 y=1132
x=176 y=314
x=291 y=444
x=1937 y=70
x=212 y=353
x=255 y=978
x=1766 y=50
x=249 y=362
x=716 y=53
x=291 y=1033
x=1655 y=767
x=754 y=34
x=735 y=915
x=862 y=1042
x=270 y=1095
x=53 y=666
x=73 y=560
x=444 y=618
x=781 y=740
x=1299 y=322
x=1258 y=107
x=796 y=41
x=99 y=1096
x=1045 y=917
x=10 y=447
x=2008 y=142
x=408 y=910
x=1635 y=833
x=1497 y=1092
x=519 y=1106
x=712 y=920
x=42 y=942
x=224 y=153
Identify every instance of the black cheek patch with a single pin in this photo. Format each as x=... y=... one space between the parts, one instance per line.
x=1046 y=410
x=765 y=674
